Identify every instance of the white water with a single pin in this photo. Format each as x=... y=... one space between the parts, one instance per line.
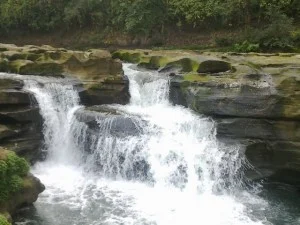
x=173 y=170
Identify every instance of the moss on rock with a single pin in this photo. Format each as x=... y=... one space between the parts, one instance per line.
x=126 y=56
x=47 y=68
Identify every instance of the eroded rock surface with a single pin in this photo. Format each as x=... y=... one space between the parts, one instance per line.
x=101 y=76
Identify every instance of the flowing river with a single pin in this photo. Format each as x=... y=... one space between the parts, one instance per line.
x=166 y=168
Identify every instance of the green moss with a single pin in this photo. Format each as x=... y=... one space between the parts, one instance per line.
x=154 y=63
x=3 y=220
x=12 y=170
x=195 y=77
x=186 y=65
x=131 y=57
x=41 y=69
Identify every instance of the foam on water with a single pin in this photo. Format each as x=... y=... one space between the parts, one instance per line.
x=171 y=170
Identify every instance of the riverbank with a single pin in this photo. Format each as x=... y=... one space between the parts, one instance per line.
x=83 y=39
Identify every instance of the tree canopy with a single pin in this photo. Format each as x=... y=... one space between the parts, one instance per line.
x=146 y=17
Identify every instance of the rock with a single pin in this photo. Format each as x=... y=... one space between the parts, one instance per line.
x=260 y=129
x=214 y=66
x=32 y=187
x=111 y=90
x=257 y=104
x=99 y=73
x=40 y=68
x=6 y=132
x=13 y=97
x=18 y=186
x=10 y=84
x=99 y=117
x=19 y=114
x=20 y=121
x=278 y=160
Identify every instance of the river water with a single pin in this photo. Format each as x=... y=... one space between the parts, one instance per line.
x=168 y=168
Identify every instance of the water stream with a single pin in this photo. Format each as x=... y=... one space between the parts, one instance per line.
x=164 y=166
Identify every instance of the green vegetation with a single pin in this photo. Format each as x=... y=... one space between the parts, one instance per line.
x=3 y=220
x=263 y=24
x=12 y=170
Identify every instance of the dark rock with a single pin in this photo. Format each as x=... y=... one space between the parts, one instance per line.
x=7 y=84
x=20 y=114
x=27 y=195
x=106 y=92
x=99 y=118
x=214 y=66
x=14 y=97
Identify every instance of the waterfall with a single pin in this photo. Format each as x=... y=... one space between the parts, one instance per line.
x=151 y=163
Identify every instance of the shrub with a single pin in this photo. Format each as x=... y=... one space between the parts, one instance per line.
x=296 y=37
x=246 y=47
x=224 y=41
x=3 y=220
x=277 y=34
x=12 y=169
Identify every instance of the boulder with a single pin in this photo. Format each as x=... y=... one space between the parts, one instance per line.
x=97 y=118
x=214 y=66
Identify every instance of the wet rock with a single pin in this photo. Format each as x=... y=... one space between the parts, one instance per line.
x=14 y=97
x=111 y=90
x=20 y=120
x=6 y=132
x=105 y=120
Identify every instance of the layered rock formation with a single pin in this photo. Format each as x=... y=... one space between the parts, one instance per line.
x=98 y=77
x=101 y=76
x=254 y=98
x=20 y=121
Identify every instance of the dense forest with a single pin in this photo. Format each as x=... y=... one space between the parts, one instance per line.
x=265 y=24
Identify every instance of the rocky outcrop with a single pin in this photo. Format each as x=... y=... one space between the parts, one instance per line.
x=17 y=186
x=20 y=121
x=101 y=76
x=255 y=99
x=100 y=118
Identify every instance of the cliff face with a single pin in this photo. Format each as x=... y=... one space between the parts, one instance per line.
x=254 y=98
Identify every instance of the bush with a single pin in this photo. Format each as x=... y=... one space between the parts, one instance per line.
x=277 y=34
x=246 y=47
x=12 y=169
x=296 y=37
x=224 y=41
x=3 y=220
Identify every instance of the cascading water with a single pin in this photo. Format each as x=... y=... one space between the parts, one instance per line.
x=166 y=168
